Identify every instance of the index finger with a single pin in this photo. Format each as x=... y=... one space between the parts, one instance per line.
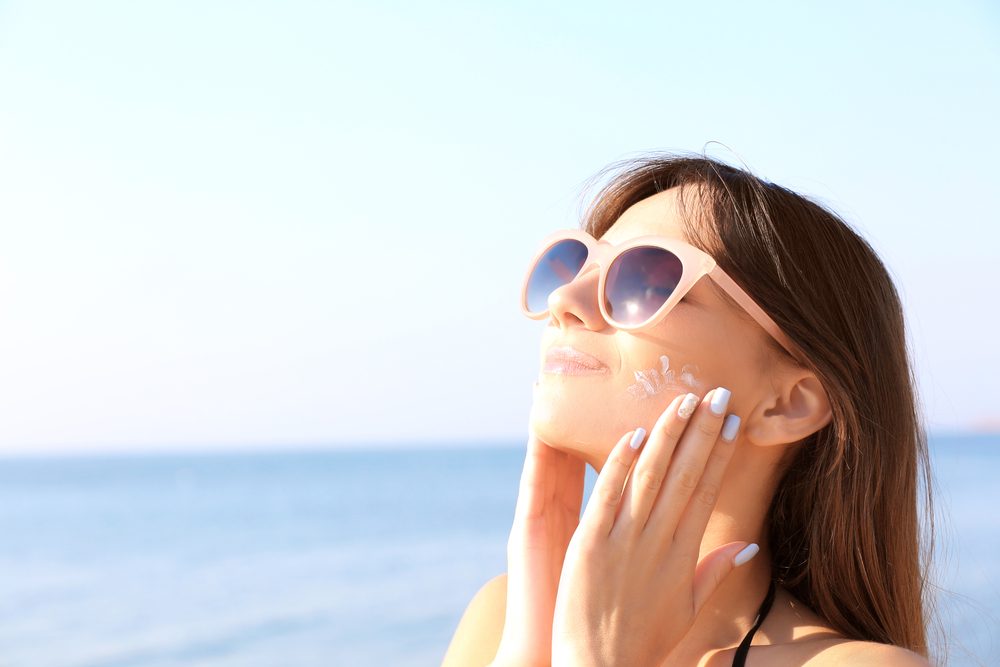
x=644 y=483
x=694 y=521
x=687 y=466
x=602 y=508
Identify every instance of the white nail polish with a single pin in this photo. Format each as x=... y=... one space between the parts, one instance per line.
x=729 y=427
x=720 y=399
x=687 y=406
x=748 y=552
x=637 y=437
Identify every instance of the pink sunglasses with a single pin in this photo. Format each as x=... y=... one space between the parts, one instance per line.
x=640 y=279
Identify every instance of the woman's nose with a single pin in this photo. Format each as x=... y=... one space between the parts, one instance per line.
x=576 y=301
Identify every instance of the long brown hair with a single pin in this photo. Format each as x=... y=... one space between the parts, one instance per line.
x=844 y=527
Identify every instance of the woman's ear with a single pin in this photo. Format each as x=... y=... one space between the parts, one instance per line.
x=797 y=407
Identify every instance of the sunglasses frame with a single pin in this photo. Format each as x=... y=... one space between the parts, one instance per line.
x=695 y=263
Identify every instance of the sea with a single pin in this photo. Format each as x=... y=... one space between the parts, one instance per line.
x=353 y=557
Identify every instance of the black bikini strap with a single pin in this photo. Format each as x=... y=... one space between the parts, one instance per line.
x=744 y=648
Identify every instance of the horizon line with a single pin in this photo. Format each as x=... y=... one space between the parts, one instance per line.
x=308 y=447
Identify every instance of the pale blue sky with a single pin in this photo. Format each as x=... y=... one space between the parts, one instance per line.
x=219 y=221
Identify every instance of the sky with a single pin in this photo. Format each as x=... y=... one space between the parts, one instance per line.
x=253 y=224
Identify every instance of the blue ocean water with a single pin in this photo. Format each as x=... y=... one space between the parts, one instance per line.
x=331 y=558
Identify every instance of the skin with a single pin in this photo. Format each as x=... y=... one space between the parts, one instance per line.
x=651 y=381
x=580 y=419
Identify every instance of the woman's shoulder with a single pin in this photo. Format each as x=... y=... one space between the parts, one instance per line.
x=836 y=652
x=479 y=630
x=799 y=636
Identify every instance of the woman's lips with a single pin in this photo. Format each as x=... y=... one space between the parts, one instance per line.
x=566 y=360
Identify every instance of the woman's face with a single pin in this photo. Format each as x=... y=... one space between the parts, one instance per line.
x=702 y=343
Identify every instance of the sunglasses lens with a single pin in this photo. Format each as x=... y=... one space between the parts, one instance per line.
x=556 y=267
x=639 y=281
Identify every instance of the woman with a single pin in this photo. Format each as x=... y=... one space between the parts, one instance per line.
x=795 y=506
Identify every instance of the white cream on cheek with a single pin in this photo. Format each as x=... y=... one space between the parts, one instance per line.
x=652 y=381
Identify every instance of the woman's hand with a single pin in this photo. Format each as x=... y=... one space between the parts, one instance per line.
x=546 y=515
x=632 y=583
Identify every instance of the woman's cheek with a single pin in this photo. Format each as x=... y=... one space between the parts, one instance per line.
x=652 y=381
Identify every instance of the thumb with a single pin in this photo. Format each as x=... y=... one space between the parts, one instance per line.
x=535 y=483
x=716 y=566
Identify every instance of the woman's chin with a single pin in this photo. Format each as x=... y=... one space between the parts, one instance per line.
x=572 y=426
x=561 y=435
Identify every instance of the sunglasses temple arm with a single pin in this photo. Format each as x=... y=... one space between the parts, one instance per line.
x=748 y=304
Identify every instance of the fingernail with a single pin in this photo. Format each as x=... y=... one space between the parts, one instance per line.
x=720 y=399
x=687 y=406
x=637 y=437
x=729 y=427
x=748 y=552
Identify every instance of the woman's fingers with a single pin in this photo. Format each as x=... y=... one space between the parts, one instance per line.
x=533 y=490
x=649 y=471
x=570 y=474
x=688 y=464
x=600 y=513
x=667 y=491
x=692 y=523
